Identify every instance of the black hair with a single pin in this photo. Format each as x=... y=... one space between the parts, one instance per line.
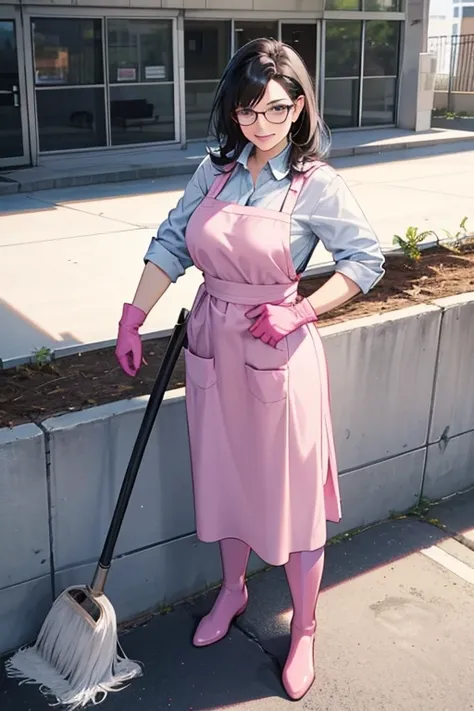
x=243 y=84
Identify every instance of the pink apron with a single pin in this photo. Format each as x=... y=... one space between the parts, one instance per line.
x=262 y=449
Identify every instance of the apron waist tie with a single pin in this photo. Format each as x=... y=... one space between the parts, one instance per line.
x=249 y=294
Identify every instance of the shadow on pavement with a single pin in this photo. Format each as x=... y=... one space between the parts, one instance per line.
x=26 y=335
x=380 y=546
x=50 y=198
x=457 y=514
x=242 y=671
x=21 y=204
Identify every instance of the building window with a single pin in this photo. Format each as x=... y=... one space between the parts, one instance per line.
x=344 y=5
x=248 y=31
x=206 y=53
x=72 y=92
x=366 y=5
x=383 y=5
x=303 y=40
x=352 y=100
x=342 y=73
x=69 y=83
x=379 y=86
x=140 y=51
x=141 y=81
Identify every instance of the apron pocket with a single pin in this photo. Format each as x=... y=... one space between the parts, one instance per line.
x=267 y=385
x=201 y=371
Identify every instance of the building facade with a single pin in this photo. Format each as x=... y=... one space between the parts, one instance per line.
x=87 y=75
x=451 y=18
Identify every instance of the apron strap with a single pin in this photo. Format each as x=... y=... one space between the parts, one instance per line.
x=296 y=185
x=220 y=180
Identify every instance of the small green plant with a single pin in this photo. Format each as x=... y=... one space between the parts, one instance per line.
x=42 y=356
x=409 y=243
x=454 y=241
x=445 y=113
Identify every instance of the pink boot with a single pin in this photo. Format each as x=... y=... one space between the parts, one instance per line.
x=304 y=572
x=233 y=596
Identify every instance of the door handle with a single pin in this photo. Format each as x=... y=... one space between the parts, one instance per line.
x=15 y=92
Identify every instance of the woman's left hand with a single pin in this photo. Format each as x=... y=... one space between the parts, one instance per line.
x=275 y=321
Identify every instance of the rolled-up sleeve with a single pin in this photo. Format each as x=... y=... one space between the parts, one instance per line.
x=338 y=221
x=168 y=248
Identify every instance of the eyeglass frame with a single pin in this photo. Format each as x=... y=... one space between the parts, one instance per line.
x=263 y=113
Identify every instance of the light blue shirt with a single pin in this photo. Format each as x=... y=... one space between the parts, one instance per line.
x=325 y=210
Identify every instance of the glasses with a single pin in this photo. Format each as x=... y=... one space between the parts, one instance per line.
x=275 y=114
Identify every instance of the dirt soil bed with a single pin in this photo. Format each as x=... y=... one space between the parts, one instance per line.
x=31 y=393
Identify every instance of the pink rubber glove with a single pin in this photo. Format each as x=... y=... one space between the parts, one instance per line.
x=128 y=350
x=275 y=321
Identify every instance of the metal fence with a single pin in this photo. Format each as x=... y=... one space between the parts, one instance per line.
x=455 y=62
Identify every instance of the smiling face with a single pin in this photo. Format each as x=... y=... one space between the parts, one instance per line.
x=268 y=77
x=271 y=130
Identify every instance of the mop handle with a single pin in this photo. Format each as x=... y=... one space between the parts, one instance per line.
x=175 y=344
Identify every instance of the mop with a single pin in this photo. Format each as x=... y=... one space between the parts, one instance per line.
x=77 y=657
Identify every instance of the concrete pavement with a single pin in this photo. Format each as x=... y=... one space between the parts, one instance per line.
x=395 y=632
x=146 y=162
x=70 y=257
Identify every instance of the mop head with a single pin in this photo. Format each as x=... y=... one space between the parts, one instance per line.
x=76 y=659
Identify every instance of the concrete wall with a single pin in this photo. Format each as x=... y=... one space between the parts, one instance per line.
x=403 y=409
x=425 y=96
x=450 y=463
x=25 y=559
x=382 y=372
x=460 y=101
x=411 y=78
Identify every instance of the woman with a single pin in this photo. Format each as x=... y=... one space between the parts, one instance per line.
x=261 y=440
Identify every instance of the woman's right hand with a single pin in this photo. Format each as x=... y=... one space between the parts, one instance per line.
x=129 y=350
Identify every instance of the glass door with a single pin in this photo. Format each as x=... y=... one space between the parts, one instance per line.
x=14 y=147
x=361 y=72
x=207 y=47
x=380 y=75
x=102 y=82
x=141 y=81
x=69 y=83
x=342 y=73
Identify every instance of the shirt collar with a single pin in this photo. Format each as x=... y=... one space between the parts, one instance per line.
x=278 y=165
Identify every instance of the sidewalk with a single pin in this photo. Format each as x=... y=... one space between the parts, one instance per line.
x=70 y=257
x=144 y=163
x=395 y=633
